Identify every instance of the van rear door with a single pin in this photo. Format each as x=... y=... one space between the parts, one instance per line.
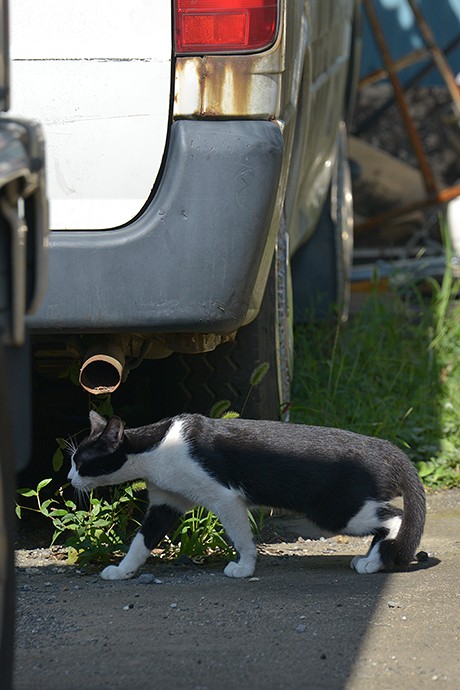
x=97 y=75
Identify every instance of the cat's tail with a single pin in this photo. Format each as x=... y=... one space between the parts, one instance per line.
x=397 y=553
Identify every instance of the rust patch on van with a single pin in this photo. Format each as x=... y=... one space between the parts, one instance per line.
x=227 y=86
x=224 y=89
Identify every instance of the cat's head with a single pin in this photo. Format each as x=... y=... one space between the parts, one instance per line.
x=100 y=457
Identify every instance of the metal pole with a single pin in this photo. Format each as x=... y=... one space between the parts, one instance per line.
x=369 y=121
x=400 y=97
x=438 y=57
x=437 y=198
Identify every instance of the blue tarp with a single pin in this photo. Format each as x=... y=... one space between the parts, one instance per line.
x=402 y=34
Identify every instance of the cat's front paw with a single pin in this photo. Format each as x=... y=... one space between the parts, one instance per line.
x=114 y=572
x=234 y=569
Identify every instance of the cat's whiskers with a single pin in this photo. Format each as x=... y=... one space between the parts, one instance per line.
x=82 y=495
x=70 y=445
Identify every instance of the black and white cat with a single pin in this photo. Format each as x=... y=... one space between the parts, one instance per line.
x=340 y=480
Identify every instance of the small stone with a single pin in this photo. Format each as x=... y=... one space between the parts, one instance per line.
x=254 y=579
x=183 y=560
x=173 y=606
x=342 y=539
x=25 y=588
x=301 y=628
x=146 y=579
x=128 y=607
x=394 y=605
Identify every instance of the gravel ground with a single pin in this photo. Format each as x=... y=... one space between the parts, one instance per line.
x=304 y=621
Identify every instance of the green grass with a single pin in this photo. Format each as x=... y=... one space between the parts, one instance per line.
x=393 y=371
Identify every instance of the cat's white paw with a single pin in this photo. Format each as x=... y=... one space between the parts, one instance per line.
x=234 y=569
x=366 y=564
x=354 y=561
x=114 y=572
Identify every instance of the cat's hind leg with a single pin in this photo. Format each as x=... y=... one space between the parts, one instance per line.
x=381 y=520
x=371 y=562
x=158 y=520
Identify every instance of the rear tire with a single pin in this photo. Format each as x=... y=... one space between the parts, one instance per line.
x=194 y=383
x=321 y=268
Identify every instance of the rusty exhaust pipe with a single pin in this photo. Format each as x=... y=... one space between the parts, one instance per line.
x=102 y=368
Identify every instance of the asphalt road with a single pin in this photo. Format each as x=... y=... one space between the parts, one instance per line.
x=306 y=621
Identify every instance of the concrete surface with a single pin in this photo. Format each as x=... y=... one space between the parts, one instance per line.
x=306 y=621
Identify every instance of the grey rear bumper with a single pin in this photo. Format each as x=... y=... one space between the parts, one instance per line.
x=189 y=262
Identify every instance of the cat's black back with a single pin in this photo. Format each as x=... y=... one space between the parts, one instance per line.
x=323 y=472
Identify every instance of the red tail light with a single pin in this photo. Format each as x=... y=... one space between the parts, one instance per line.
x=225 y=26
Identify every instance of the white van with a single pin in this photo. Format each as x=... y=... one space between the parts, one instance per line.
x=196 y=151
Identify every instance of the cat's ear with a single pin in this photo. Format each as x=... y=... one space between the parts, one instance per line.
x=97 y=422
x=113 y=434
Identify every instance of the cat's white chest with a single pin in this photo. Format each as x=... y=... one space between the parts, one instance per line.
x=172 y=467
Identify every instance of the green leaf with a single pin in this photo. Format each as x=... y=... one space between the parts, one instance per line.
x=103 y=405
x=219 y=408
x=58 y=459
x=56 y=534
x=231 y=415
x=45 y=505
x=41 y=485
x=101 y=523
x=18 y=511
x=71 y=526
x=72 y=555
x=58 y=512
x=425 y=468
x=27 y=492
x=72 y=373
